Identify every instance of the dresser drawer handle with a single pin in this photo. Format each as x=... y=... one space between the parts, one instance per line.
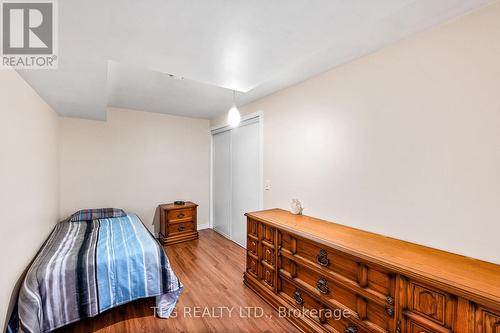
x=322 y=259
x=390 y=311
x=181 y=227
x=180 y=216
x=322 y=287
x=351 y=329
x=297 y=295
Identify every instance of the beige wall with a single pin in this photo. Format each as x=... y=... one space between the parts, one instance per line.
x=403 y=142
x=135 y=161
x=51 y=167
x=28 y=179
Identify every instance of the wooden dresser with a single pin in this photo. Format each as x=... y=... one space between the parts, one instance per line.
x=178 y=223
x=381 y=284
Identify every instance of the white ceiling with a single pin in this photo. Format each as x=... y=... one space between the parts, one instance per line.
x=120 y=52
x=142 y=89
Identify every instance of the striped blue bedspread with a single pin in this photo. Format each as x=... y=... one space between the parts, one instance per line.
x=85 y=268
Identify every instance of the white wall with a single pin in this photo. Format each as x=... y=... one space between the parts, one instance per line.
x=404 y=142
x=28 y=179
x=135 y=161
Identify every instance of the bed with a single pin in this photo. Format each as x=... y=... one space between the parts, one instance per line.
x=87 y=267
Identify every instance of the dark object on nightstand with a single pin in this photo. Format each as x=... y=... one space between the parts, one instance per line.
x=178 y=223
x=179 y=203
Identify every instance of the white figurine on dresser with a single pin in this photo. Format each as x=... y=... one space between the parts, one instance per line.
x=296 y=207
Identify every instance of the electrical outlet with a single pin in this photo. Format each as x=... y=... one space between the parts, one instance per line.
x=267 y=185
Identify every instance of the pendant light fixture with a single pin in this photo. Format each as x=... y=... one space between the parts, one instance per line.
x=233 y=115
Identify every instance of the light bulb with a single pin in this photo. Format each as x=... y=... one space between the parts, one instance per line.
x=233 y=116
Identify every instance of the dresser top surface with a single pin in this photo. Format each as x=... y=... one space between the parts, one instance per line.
x=467 y=274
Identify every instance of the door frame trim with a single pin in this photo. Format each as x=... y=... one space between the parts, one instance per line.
x=245 y=120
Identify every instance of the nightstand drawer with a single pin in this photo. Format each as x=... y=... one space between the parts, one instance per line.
x=180 y=214
x=181 y=227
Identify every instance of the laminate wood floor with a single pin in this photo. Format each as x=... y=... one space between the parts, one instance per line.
x=211 y=270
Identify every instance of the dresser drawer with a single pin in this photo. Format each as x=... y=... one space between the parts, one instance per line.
x=332 y=319
x=268 y=254
x=370 y=278
x=252 y=246
x=416 y=328
x=335 y=294
x=180 y=214
x=487 y=321
x=267 y=233
x=181 y=227
x=325 y=288
x=431 y=303
x=300 y=299
x=268 y=276
x=326 y=257
x=417 y=324
x=344 y=325
x=252 y=228
x=252 y=266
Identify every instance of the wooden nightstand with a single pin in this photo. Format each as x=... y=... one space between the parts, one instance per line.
x=178 y=223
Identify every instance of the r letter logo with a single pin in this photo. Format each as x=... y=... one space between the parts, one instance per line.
x=29 y=34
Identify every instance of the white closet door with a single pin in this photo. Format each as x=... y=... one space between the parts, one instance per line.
x=245 y=172
x=221 y=182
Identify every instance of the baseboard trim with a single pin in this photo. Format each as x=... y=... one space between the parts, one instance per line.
x=203 y=226
x=221 y=233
